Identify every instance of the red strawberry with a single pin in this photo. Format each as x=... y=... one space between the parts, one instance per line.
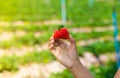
x=57 y=35
x=64 y=33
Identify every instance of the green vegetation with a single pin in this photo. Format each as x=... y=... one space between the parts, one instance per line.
x=30 y=28
x=98 y=47
x=64 y=74
x=92 y=35
x=104 y=71
x=31 y=39
x=28 y=39
x=78 y=12
x=11 y=63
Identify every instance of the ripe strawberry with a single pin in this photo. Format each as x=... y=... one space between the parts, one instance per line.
x=57 y=35
x=64 y=33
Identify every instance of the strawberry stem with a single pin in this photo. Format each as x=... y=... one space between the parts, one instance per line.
x=61 y=26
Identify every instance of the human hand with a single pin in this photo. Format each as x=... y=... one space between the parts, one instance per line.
x=66 y=54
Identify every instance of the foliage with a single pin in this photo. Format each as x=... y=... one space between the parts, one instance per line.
x=64 y=74
x=12 y=63
x=78 y=12
x=107 y=71
x=100 y=47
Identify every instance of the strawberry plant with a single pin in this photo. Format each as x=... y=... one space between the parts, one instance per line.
x=12 y=63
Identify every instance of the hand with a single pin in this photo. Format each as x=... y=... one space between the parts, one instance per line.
x=66 y=54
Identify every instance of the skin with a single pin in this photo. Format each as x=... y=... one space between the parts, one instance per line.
x=67 y=55
x=117 y=74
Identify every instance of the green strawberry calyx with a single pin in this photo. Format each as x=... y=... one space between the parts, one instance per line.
x=61 y=26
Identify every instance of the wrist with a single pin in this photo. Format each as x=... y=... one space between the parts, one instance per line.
x=79 y=71
x=76 y=64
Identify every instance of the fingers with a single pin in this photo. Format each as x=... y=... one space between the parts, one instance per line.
x=51 y=47
x=51 y=42
x=72 y=42
x=59 y=41
x=63 y=46
x=54 y=43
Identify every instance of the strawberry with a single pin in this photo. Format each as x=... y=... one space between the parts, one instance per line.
x=57 y=35
x=64 y=33
x=61 y=34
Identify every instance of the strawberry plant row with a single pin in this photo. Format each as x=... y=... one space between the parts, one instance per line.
x=81 y=14
x=12 y=63
x=31 y=39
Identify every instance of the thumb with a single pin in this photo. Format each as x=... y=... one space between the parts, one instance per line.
x=72 y=42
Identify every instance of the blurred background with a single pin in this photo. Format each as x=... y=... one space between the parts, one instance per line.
x=26 y=26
